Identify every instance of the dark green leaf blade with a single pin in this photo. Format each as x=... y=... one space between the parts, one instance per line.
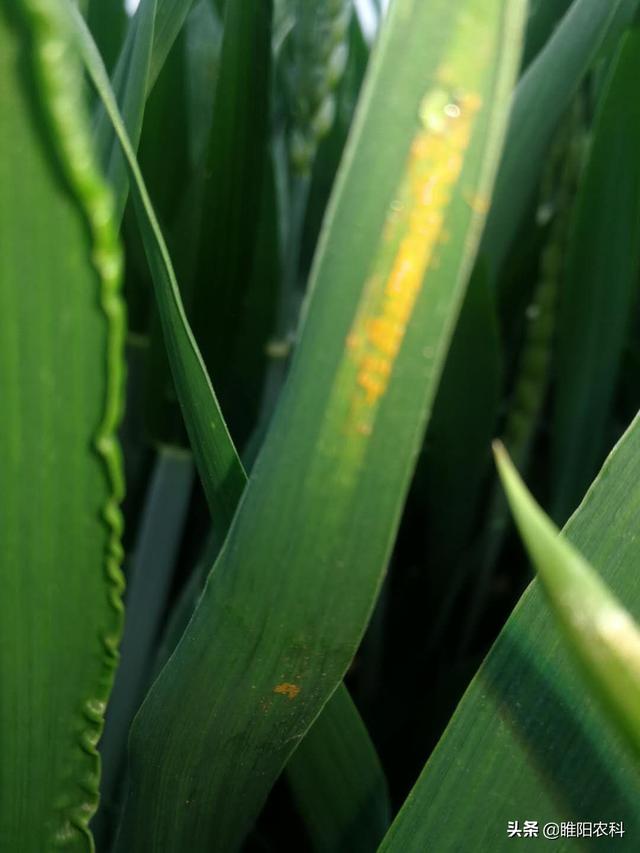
x=600 y=632
x=170 y=18
x=61 y=371
x=107 y=22
x=130 y=82
x=149 y=575
x=600 y=284
x=542 y=95
x=338 y=783
x=542 y=19
x=233 y=181
x=219 y=466
x=526 y=729
x=462 y=426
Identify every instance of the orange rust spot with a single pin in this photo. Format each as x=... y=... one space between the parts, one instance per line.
x=376 y=364
x=385 y=334
x=287 y=689
x=372 y=385
x=413 y=230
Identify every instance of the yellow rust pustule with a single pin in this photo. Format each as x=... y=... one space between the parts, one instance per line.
x=413 y=229
x=287 y=689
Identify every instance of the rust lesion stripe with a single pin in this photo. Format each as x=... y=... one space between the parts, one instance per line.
x=413 y=228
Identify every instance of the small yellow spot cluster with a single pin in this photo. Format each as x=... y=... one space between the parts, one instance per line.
x=287 y=689
x=415 y=226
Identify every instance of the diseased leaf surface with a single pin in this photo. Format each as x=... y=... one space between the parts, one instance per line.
x=292 y=590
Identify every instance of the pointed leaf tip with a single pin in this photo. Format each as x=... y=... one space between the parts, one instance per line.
x=602 y=635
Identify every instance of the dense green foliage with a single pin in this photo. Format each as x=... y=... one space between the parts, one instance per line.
x=288 y=281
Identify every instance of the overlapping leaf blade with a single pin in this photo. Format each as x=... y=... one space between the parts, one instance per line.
x=460 y=433
x=61 y=369
x=288 y=601
x=233 y=178
x=338 y=783
x=527 y=730
x=215 y=455
x=541 y=98
x=223 y=480
x=598 y=291
x=130 y=82
x=600 y=632
x=107 y=22
x=171 y=15
x=542 y=19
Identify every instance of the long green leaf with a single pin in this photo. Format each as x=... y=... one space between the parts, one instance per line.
x=223 y=479
x=543 y=94
x=344 y=811
x=600 y=632
x=149 y=577
x=170 y=16
x=542 y=19
x=150 y=36
x=176 y=190
x=599 y=287
x=216 y=459
x=288 y=601
x=526 y=730
x=61 y=369
x=130 y=85
x=233 y=179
